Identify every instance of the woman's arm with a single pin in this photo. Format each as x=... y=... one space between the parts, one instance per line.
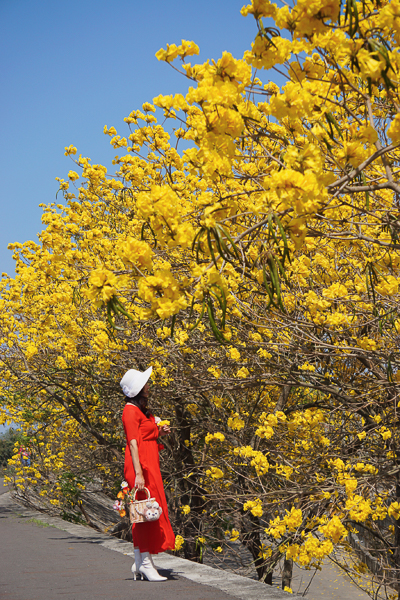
x=139 y=480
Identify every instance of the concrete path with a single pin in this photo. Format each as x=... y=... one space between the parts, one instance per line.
x=46 y=558
x=328 y=584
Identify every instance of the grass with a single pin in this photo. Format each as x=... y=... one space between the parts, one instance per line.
x=39 y=523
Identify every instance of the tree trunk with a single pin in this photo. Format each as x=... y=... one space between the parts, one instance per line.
x=283 y=397
x=252 y=541
x=287 y=573
x=396 y=549
x=190 y=492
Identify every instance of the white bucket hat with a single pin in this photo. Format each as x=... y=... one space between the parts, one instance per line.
x=133 y=381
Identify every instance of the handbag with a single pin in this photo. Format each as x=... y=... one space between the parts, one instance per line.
x=142 y=511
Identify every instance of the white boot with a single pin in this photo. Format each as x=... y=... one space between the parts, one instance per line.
x=148 y=569
x=137 y=564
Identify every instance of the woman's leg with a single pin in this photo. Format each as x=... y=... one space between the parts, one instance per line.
x=137 y=564
x=142 y=540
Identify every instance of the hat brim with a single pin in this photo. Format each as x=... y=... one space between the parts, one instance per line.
x=146 y=377
x=132 y=388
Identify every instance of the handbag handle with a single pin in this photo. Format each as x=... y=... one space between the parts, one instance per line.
x=136 y=491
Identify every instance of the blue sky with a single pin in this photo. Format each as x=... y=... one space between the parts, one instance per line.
x=69 y=68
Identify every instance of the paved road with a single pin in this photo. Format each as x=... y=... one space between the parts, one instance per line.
x=3 y=488
x=39 y=561
x=42 y=562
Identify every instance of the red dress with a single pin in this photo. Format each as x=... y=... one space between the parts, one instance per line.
x=152 y=536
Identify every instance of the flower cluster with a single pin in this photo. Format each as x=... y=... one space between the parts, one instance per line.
x=248 y=250
x=119 y=505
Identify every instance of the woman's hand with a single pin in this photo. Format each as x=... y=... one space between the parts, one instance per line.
x=139 y=482
x=164 y=430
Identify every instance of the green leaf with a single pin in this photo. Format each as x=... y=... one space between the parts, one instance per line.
x=235 y=248
x=332 y=121
x=270 y=291
x=222 y=302
x=172 y=326
x=275 y=278
x=118 y=307
x=112 y=308
x=286 y=252
x=197 y=239
x=222 y=248
x=200 y=318
x=282 y=270
x=366 y=193
x=217 y=333
x=209 y=240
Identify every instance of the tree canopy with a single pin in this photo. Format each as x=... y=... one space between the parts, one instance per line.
x=247 y=248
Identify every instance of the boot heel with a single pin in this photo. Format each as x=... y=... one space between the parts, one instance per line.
x=135 y=568
x=136 y=572
x=148 y=569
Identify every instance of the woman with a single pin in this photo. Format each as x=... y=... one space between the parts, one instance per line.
x=142 y=469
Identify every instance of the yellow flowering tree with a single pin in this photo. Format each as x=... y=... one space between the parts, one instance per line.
x=253 y=259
